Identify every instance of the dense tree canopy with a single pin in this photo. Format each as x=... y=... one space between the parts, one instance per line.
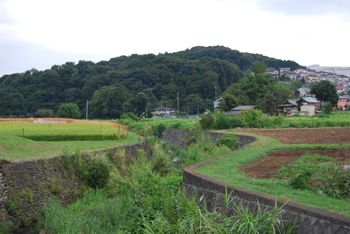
x=135 y=82
x=68 y=110
x=325 y=92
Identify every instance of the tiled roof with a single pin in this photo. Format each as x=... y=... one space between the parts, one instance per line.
x=310 y=99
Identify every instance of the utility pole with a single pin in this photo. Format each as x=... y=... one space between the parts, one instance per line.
x=188 y=108
x=87 y=109
x=216 y=94
x=198 y=109
x=178 y=103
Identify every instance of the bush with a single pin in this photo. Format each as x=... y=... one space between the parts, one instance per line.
x=221 y=121
x=337 y=184
x=300 y=181
x=41 y=113
x=254 y=118
x=68 y=110
x=328 y=108
x=129 y=115
x=228 y=140
x=207 y=121
x=96 y=174
x=159 y=129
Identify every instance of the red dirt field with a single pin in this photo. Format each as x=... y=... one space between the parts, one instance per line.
x=267 y=167
x=303 y=136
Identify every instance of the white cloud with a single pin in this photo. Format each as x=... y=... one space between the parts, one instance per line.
x=105 y=29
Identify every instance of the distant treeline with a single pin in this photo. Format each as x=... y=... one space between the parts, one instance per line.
x=130 y=84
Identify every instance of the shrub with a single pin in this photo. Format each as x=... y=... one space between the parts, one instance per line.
x=328 y=108
x=176 y=125
x=221 y=121
x=97 y=174
x=68 y=110
x=129 y=115
x=254 y=118
x=44 y=113
x=159 y=129
x=300 y=181
x=207 y=121
x=228 y=140
x=337 y=184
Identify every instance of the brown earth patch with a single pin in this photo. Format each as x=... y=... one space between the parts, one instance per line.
x=303 y=136
x=267 y=167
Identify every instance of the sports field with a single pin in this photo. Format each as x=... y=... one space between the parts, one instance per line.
x=33 y=138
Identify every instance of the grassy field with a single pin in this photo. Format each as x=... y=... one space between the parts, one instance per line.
x=13 y=146
x=224 y=168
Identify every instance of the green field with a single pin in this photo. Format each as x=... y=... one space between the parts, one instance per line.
x=13 y=146
x=226 y=169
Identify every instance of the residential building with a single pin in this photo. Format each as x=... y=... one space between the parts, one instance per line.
x=343 y=101
x=163 y=111
x=273 y=72
x=311 y=78
x=217 y=102
x=239 y=109
x=302 y=106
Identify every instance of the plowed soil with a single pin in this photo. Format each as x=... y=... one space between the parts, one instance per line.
x=303 y=136
x=267 y=167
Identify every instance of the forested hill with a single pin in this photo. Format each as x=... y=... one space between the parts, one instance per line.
x=242 y=60
x=124 y=83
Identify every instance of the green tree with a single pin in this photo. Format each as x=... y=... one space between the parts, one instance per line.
x=325 y=91
x=228 y=102
x=267 y=104
x=68 y=110
x=303 y=80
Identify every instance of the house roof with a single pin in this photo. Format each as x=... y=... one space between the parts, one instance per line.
x=293 y=102
x=164 y=109
x=309 y=99
x=239 y=108
x=218 y=100
x=345 y=96
x=341 y=87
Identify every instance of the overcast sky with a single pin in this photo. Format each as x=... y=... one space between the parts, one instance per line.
x=41 y=33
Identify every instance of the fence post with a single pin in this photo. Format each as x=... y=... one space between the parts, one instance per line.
x=127 y=131
x=23 y=131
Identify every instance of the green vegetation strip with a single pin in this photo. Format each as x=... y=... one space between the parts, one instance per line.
x=226 y=169
x=16 y=148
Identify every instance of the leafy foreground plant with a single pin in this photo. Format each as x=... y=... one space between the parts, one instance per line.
x=191 y=218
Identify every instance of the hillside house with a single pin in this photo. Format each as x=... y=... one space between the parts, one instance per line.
x=311 y=78
x=239 y=109
x=302 y=106
x=163 y=111
x=341 y=89
x=273 y=72
x=217 y=102
x=343 y=101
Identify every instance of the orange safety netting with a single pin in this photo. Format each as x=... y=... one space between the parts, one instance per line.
x=67 y=120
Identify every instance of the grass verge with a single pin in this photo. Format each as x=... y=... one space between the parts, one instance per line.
x=226 y=169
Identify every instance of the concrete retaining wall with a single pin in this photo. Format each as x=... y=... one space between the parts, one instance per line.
x=310 y=219
x=28 y=184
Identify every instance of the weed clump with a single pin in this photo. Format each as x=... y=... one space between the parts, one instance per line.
x=300 y=181
x=228 y=140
